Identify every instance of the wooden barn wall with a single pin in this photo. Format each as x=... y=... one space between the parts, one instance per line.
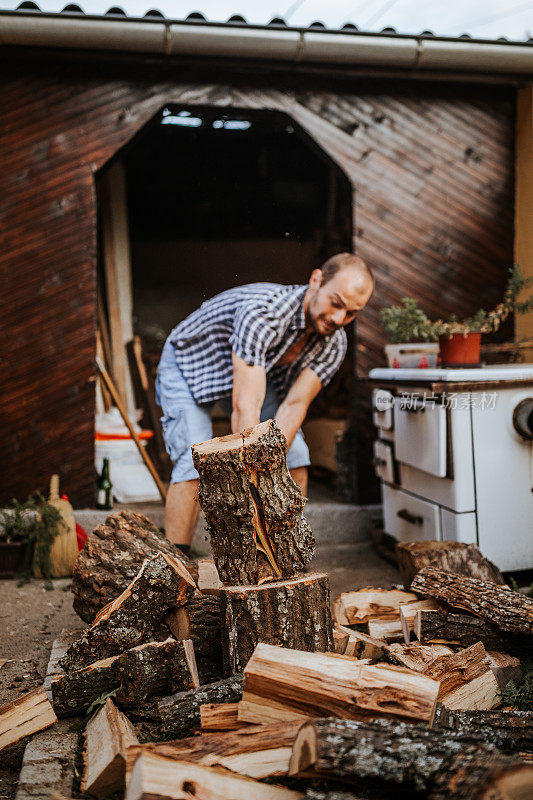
x=432 y=170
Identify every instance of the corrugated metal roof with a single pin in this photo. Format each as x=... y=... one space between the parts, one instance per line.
x=197 y=18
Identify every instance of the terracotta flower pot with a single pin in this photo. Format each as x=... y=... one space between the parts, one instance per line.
x=460 y=348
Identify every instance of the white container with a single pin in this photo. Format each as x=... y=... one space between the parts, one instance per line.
x=419 y=355
x=132 y=483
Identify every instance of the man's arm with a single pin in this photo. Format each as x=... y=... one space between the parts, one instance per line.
x=249 y=387
x=293 y=409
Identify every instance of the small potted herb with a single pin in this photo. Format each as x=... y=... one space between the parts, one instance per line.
x=27 y=531
x=411 y=335
x=460 y=341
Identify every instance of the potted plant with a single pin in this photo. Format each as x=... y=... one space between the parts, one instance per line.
x=411 y=335
x=27 y=531
x=460 y=341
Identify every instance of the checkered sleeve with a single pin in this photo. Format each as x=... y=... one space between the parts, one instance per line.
x=254 y=332
x=328 y=362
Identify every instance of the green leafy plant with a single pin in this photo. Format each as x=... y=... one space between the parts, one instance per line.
x=35 y=522
x=521 y=696
x=407 y=323
x=489 y=321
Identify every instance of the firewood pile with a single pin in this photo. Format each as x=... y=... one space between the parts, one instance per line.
x=246 y=685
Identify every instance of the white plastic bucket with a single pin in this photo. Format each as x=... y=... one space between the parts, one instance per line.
x=412 y=356
x=132 y=482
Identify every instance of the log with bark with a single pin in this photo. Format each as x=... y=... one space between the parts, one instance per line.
x=288 y=684
x=153 y=776
x=408 y=613
x=505 y=668
x=112 y=557
x=393 y=753
x=108 y=736
x=509 y=731
x=292 y=613
x=445 y=627
x=463 y=559
x=510 y=611
x=136 y=616
x=30 y=713
x=199 y=619
x=252 y=506
x=476 y=775
x=149 y=669
x=356 y=608
x=180 y=713
x=259 y=751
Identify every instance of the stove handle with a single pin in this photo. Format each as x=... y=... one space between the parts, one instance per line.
x=403 y=513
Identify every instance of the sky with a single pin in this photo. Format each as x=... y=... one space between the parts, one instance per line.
x=485 y=19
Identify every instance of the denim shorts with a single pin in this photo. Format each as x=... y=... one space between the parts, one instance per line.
x=186 y=423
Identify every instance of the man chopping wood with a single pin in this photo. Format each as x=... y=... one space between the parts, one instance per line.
x=260 y=351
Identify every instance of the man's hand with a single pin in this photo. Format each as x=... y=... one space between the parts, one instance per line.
x=249 y=387
x=292 y=411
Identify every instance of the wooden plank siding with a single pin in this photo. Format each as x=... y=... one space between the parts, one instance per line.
x=432 y=170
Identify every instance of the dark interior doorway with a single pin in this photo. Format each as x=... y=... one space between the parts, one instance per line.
x=220 y=197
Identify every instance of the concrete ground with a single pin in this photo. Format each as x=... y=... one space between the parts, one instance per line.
x=31 y=617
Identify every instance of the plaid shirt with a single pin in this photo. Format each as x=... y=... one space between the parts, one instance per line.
x=259 y=322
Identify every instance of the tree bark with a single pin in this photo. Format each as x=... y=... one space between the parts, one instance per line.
x=112 y=557
x=477 y=775
x=385 y=751
x=150 y=669
x=463 y=559
x=509 y=611
x=199 y=619
x=284 y=684
x=252 y=506
x=461 y=629
x=180 y=713
x=292 y=613
x=136 y=616
x=509 y=731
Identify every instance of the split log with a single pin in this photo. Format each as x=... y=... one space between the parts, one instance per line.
x=199 y=619
x=408 y=613
x=288 y=684
x=107 y=738
x=149 y=669
x=259 y=751
x=386 y=630
x=293 y=613
x=358 y=645
x=112 y=557
x=356 y=608
x=509 y=611
x=153 y=776
x=180 y=713
x=416 y=656
x=136 y=616
x=458 y=629
x=221 y=717
x=509 y=731
x=30 y=713
x=252 y=506
x=505 y=668
x=390 y=752
x=208 y=578
x=340 y=640
x=463 y=559
x=476 y=775
x=466 y=680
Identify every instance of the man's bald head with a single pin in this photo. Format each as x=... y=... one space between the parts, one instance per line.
x=345 y=261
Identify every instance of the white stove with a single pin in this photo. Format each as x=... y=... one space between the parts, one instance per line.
x=455 y=457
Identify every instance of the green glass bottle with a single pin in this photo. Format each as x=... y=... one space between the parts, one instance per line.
x=104 y=487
